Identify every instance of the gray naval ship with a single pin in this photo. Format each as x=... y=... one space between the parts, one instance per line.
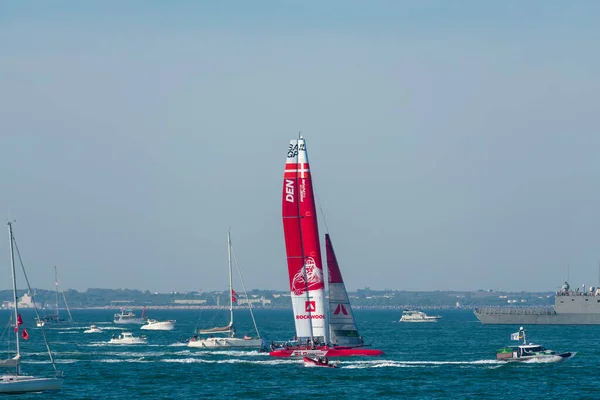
x=570 y=308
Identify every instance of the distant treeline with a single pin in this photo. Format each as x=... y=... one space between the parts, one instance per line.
x=117 y=298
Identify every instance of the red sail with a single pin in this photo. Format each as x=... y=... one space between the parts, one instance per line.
x=303 y=249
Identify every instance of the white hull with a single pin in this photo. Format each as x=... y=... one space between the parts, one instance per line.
x=128 y=338
x=128 y=341
x=93 y=330
x=419 y=320
x=159 y=326
x=138 y=321
x=225 y=343
x=418 y=316
x=28 y=384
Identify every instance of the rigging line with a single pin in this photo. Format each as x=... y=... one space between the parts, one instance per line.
x=34 y=305
x=63 y=295
x=237 y=266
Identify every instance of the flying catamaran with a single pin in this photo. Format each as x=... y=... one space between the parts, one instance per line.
x=317 y=333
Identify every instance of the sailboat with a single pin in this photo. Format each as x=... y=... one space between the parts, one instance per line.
x=15 y=381
x=55 y=319
x=316 y=334
x=226 y=335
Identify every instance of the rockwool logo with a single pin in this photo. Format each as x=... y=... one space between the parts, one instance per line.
x=310 y=306
x=311 y=316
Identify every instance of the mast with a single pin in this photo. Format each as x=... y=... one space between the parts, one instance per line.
x=305 y=276
x=62 y=292
x=230 y=280
x=14 y=285
x=56 y=286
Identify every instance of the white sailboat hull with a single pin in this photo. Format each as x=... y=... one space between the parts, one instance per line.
x=226 y=343
x=28 y=384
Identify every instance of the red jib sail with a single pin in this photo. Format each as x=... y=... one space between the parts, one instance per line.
x=302 y=245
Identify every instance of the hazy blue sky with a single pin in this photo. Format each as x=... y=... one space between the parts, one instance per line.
x=454 y=145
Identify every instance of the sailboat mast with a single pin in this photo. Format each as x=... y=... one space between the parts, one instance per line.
x=307 y=295
x=14 y=285
x=56 y=286
x=230 y=279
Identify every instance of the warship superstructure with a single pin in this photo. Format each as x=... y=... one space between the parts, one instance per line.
x=579 y=307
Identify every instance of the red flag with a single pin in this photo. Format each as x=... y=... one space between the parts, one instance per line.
x=233 y=296
x=19 y=322
x=24 y=334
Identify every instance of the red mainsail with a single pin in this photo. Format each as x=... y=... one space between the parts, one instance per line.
x=303 y=249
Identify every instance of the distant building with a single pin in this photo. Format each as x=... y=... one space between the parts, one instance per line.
x=191 y=302
x=262 y=301
x=25 y=302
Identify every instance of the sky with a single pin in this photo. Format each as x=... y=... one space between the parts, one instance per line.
x=453 y=145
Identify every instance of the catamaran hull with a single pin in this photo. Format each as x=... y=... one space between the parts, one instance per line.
x=324 y=351
x=27 y=384
x=226 y=343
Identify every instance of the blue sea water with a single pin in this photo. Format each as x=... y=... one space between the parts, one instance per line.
x=451 y=359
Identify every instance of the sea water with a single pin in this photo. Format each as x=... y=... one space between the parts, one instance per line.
x=450 y=359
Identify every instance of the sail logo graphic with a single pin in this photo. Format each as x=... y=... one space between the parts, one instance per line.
x=340 y=308
x=312 y=281
x=310 y=306
x=289 y=190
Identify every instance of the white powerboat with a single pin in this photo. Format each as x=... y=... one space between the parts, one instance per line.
x=418 y=316
x=128 y=338
x=529 y=351
x=129 y=317
x=155 y=325
x=93 y=329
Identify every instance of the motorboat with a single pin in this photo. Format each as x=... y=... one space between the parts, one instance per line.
x=128 y=338
x=129 y=317
x=418 y=316
x=529 y=351
x=318 y=362
x=155 y=325
x=93 y=329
